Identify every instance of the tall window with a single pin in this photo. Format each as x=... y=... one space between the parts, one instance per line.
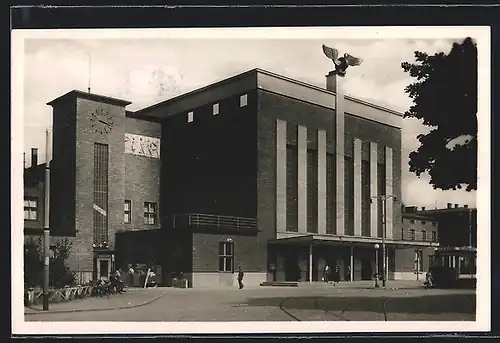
x=349 y=195
x=412 y=234
x=419 y=260
x=291 y=188
x=312 y=191
x=101 y=158
x=330 y=194
x=150 y=213
x=424 y=235
x=434 y=236
x=381 y=191
x=127 y=212
x=30 y=208
x=365 y=198
x=226 y=256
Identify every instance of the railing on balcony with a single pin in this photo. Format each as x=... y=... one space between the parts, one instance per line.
x=416 y=236
x=213 y=221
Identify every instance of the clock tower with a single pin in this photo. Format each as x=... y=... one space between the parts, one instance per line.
x=88 y=177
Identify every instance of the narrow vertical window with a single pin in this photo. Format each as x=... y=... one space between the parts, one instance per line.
x=434 y=236
x=150 y=216
x=127 y=213
x=30 y=208
x=412 y=234
x=226 y=256
x=243 y=100
x=215 y=109
x=190 y=117
x=101 y=159
x=424 y=235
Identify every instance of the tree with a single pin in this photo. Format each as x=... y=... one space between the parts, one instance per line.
x=59 y=273
x=445 y=99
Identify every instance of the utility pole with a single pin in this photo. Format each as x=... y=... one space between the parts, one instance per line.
x=46 y=232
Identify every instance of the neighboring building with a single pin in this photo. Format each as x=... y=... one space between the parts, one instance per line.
x=457 y=225
x=416 y=227
x=258 y=170
x=34 y=194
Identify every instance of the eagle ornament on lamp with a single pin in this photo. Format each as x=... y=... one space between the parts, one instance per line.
x=342 y=63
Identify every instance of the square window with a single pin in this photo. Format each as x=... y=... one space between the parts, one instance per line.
x=243 y=100
x=215 y=109
x=190 y=117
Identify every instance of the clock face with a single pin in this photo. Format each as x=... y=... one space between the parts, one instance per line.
x=101 y=121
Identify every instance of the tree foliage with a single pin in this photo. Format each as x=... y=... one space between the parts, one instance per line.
x=59 y=273
x=444 y=97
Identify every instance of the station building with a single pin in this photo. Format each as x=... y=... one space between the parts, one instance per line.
x=258 y=170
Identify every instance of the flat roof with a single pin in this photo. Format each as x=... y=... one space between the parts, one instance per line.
x=266 y=80
x=90 y=96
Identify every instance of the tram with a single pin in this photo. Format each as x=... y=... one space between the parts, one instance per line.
x=454 y=267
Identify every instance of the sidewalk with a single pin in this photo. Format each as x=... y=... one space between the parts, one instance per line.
x=133 y=297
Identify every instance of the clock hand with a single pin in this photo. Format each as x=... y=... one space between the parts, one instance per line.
x=104 y=123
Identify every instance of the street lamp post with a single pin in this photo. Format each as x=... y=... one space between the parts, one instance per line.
x=376 y=265
x=384 y=252
x=384 y=198
x=46 y=232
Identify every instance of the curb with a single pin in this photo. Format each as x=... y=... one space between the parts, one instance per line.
x=147 y=302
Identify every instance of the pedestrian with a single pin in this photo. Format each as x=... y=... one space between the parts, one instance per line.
x=348 y=276
x=326 y=273
x=240 y=278
x=336 y=275
x=131 y=272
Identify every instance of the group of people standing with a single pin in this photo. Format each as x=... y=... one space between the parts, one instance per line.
x=329 y=275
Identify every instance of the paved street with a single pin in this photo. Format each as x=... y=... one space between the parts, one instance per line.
x=319 y=303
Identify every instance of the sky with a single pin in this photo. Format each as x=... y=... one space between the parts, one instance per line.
x=147 y=71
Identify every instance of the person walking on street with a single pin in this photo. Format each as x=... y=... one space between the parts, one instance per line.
x=326 y=273
x=240 y=278
x=336 y=275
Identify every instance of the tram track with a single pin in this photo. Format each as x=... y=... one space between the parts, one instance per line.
x=281 y=306
x=338 y=314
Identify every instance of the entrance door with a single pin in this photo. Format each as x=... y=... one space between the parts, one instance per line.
x=366 y=269
x=103 y=268
x=292 y=271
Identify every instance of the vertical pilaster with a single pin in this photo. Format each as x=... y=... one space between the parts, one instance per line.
x=389 y=191
x=302 y=178
x=373 y=190
x=281 y=175
x=339 y=160
x=357 y=187
x=321 y=149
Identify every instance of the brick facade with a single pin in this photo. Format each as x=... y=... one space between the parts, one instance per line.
x=220 y=164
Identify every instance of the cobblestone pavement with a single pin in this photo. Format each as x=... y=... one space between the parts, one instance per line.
x=321 y=303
